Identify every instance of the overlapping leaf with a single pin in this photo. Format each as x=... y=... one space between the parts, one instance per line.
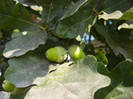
x=25 y=69
x=24 y=43
x=122 y=83
x=70 y=11
x=125 y=26
x=128 y=15
x=15 y=16
x=114 y=15
x=118 y=40
x=79 y=80
x=74 y=26
x=110 y=6
x=52 y=8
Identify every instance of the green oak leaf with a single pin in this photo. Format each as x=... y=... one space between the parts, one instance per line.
x=117 y=40
x=16 y=16
x=75 y=25
x=25 y=69
x=121 y=86
x=79 y=79
x=22 y=44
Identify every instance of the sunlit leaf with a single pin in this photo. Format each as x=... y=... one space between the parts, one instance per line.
x=24 y=43
x=125 y=26
x=128 y=15
x=79 y=80
x=114 y=15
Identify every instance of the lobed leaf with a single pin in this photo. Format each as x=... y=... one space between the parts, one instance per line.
x=121 y=86
x=79 y=80
x=24 y=43
x=118 y=40
x=25 y=69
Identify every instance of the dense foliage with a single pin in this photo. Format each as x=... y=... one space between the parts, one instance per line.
x=28 y=28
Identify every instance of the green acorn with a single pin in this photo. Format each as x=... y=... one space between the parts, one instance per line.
x=76 y=52
x=7 y=86
x=56 y=54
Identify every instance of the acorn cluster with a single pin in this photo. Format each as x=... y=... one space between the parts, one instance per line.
x=59 y=54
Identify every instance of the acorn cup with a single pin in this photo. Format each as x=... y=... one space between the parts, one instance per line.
x=76 y=52
x=56 y=54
